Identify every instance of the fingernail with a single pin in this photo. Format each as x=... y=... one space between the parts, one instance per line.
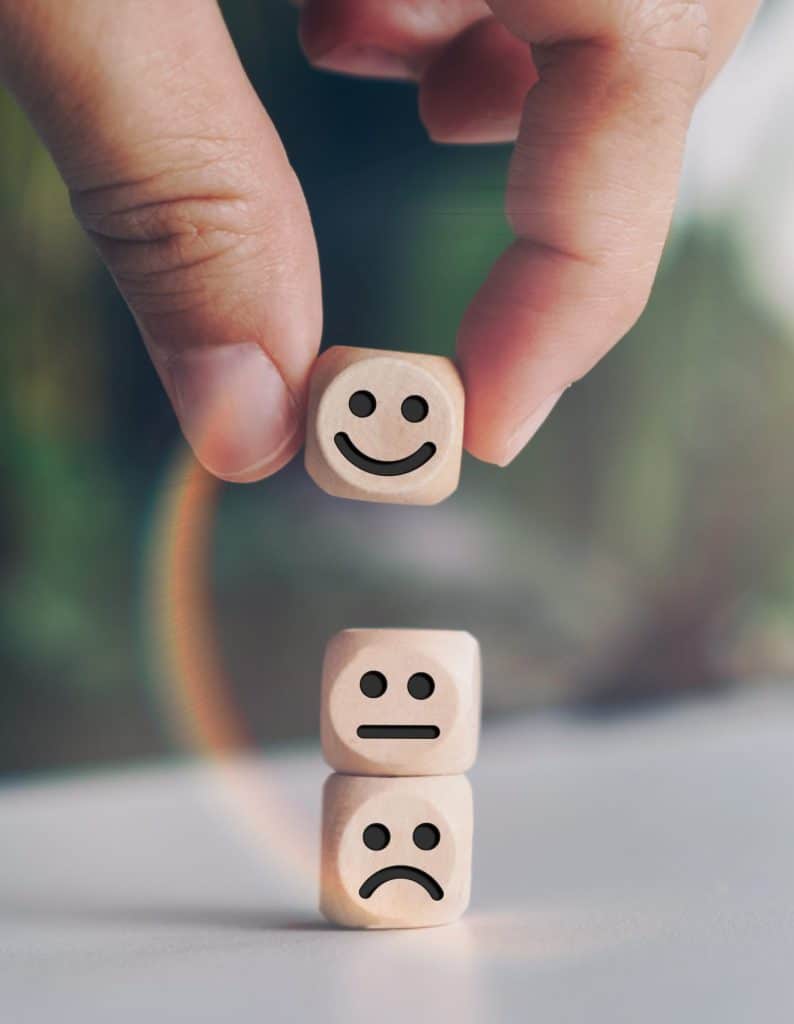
x=234 y=408
x=530 y=426
x=362 y=59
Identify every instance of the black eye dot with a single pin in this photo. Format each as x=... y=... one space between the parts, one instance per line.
x=373 y=684
x=426 y=836
x=362 y=403
x=421 y=685
x=377 y=836
x=414 y=409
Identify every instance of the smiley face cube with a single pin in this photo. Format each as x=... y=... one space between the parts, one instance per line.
x=396 y=853
x=385 y=426
x=401 y=701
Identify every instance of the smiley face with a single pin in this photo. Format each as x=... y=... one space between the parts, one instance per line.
x=363 y=404
x=396 y=852
x=385 y=426
x=401 y=701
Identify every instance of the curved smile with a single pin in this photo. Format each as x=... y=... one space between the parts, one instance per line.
x=396 y=467
x=427 y=882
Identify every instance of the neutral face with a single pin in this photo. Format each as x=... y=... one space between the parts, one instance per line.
x=393 y=702
x=401 y=701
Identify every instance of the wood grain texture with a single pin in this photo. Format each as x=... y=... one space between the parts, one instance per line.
x=353 y=804
x=391 y=442
x=403 y=658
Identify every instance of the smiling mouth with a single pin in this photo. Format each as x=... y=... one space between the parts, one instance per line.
x=398 y=732
x=396 y=467
x=427 y=882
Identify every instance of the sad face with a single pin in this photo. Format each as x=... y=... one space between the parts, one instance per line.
x=385 y=426
x=396 y=852
x=401 y=701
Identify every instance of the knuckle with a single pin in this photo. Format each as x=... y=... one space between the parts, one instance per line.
x=155 y=244
x=674 y=28
x=167 y=238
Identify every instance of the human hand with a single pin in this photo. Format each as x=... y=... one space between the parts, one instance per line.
x=594 y=174
x=177 y=174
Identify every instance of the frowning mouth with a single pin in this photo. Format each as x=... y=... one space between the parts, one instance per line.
x=427 y=882
x=398 y=732
x=396 y=467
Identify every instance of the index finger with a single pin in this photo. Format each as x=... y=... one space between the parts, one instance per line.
x=590 y=194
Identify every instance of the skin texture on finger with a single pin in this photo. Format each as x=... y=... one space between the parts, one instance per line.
x=590 y=196
x=606 y=20
x=474 y=90
x=382 y=38
x=178 y=175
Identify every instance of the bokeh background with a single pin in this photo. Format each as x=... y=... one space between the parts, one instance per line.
x=641 y=550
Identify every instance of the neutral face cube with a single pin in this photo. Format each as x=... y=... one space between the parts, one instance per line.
x=396 y=853
x=385 y=426
x=401 y=701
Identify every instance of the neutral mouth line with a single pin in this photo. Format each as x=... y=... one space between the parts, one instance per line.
x=380 y=467
x=428 y=883
x=398 y=732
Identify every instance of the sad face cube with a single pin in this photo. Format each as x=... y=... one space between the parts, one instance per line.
x=385 y=426
x=396 y=853
x=401 y=701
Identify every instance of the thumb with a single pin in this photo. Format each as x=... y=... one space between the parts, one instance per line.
x=177 y=174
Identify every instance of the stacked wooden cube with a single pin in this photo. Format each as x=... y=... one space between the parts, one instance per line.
x=400 y=723
x=400 y=707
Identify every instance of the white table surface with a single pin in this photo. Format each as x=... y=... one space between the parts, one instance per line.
x=638 y=869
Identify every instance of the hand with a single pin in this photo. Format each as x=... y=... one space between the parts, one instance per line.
x=177 y=174
x=594 y=174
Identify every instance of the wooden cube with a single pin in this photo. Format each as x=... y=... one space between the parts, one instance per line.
x=385 y=426
x=401 y=701
x=396 y=853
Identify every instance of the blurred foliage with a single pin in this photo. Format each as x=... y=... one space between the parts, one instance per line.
x=642 y=545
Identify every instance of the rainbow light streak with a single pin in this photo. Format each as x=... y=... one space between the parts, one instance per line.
x=196 y=690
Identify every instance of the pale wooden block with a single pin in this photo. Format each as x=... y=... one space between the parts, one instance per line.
x=396 y=853
x=385 y=426
x=401 y=701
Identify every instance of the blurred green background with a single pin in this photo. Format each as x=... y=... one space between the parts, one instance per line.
x=641 y=549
